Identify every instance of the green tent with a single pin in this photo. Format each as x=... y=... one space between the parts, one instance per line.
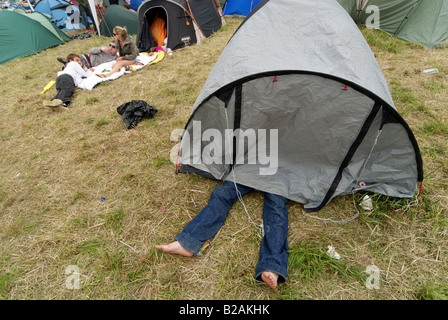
x=23 y=34
x=116 y=15
x=418 y=21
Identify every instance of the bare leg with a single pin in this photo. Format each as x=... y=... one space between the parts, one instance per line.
x=270 y=278
x=174 y=248
x=117 y=67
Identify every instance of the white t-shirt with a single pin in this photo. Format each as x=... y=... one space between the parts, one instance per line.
x=76 y=71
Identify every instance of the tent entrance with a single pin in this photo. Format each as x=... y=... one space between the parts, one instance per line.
x=327 y=132
x=157 y=20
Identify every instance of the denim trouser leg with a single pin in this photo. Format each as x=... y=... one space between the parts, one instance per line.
x=274 y=253
x=210 y=219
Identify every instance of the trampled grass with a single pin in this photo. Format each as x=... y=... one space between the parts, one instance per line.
x=78 y=189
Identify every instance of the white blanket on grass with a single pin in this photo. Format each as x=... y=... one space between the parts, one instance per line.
x=90 y=82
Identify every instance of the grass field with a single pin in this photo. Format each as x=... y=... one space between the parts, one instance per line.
x=80 y=192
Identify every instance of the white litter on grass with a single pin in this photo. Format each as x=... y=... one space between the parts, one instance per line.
x=332 y=253
x=366 y=203
x=431 y=71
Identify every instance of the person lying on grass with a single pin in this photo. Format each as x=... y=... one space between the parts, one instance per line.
x=272 y=266
x=67 y=80
x=96 y=56
x=127 y=50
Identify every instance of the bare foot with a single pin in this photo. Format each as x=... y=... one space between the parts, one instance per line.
x=174 y=248
x=270 y=278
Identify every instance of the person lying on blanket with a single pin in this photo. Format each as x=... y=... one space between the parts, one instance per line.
x=99 y=55
x=96 y=56
x=67 y=80
x=127 y=50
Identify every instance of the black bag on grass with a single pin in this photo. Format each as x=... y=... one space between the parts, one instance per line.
x=134 y=111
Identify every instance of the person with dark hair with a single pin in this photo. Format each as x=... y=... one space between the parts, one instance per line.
x=96 y=56
x=100 y=55
x=67 y=80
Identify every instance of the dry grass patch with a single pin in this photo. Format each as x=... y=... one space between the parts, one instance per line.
x=78 y=189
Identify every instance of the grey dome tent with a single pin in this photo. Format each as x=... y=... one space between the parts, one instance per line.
x=315 y=84
x=186 y=22
x=418 y=21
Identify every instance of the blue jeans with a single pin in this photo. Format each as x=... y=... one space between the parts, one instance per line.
x=273 y=254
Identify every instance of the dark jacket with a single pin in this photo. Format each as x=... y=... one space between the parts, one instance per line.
x=129 y=50
x=134 y=111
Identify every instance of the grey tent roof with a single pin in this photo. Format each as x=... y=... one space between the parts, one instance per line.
x=302 y=38
x=306 y=71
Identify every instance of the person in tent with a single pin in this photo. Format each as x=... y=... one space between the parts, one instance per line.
x=67 y=80
x=272 y=266
x=127 y=50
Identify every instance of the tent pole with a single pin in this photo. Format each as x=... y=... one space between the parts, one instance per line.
x=360 y=6
x=95 y=16
x=32 y=9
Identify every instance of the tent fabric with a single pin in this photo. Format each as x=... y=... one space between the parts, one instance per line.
x=417 y=21
x=239 y=7
x=22 y=35
x=116 y=15
x=92 y=7
x=207 y=15
x=43 y=20
x=63 y=14
x=107 y=3
x=134 y=4
x=187 y=22
x=325 y=96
